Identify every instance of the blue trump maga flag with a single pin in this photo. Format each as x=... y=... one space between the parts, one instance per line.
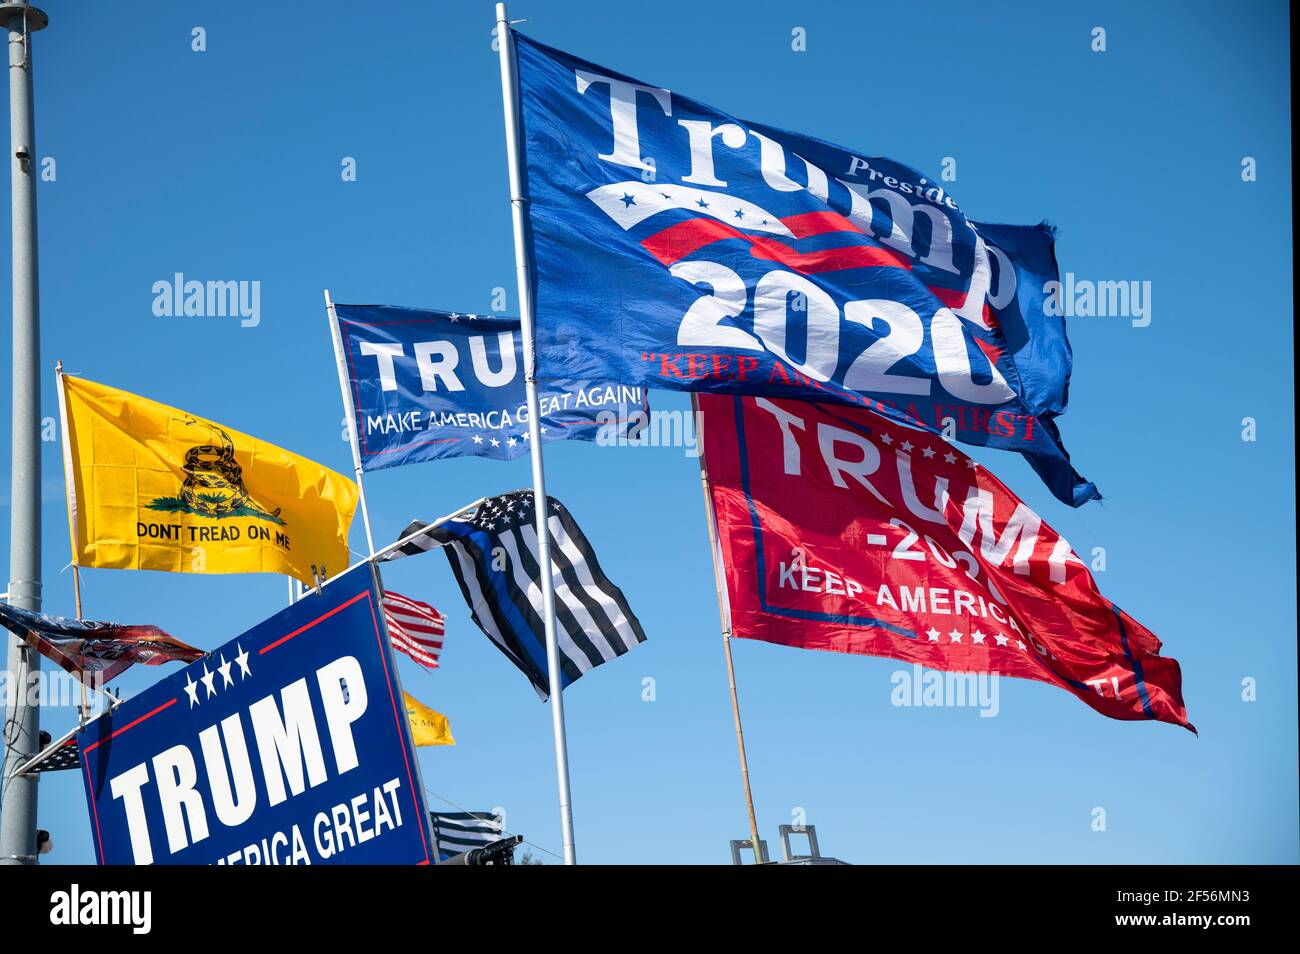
x=287 y=745
x=433 y=384
x=675 y=246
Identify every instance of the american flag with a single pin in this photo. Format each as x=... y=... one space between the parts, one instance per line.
x=415 y=628
x=494 y=555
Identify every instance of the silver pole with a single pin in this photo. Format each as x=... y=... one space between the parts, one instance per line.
x=350 y=411
x=351 y=419
x=509 y=89
x=415 y=535
x=354 y=439
x=22 y=715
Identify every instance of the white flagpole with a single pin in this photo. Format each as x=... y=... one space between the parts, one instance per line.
x=351 y=412
x=415 y=535
x=70 y=491
x=509 y=91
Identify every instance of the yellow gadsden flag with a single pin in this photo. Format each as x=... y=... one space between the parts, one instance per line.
x=154 y=488
x=427 y=727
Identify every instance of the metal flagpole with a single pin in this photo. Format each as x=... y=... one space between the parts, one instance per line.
x=352 y=417
x=416 y=534
x=509 y=95
x=22 y=715
x=384 y=551
x=70 y=492
x=725 y=618
x=349 y=409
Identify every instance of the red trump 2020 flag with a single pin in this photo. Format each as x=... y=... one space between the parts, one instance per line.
x=843 y=531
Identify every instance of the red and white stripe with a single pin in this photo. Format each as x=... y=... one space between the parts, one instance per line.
x=413 y=627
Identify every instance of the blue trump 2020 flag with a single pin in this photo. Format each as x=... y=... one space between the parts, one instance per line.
x=675 y=246
x=432 y=384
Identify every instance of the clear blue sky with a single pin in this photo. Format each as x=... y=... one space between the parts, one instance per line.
x=226 y=165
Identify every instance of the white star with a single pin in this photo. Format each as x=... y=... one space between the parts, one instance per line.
x=242 y=661
x=495 y=442
x=928 y=452
x=224 y=669
x=906 y=446
x=192 y=690
x=955 y=636
x=977 y=637
x=1002 y=640
x=527 y=436
x=455 y=317
x=471 y=317
x=950 y=457
x=512 y=442
x=933 y=634
x=478 y=438
x=207 y=681
x=543 y=430
x=886 y=439
x=971 y=464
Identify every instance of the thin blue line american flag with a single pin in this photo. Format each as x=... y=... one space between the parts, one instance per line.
x=458 y=832
x=415 y=628
x=494 y=555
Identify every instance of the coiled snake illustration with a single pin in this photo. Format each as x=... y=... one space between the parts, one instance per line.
x=214 y=482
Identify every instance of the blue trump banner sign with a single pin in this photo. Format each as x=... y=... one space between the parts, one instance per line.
x=433 y=384
x=287 y=745
x=676 y=246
